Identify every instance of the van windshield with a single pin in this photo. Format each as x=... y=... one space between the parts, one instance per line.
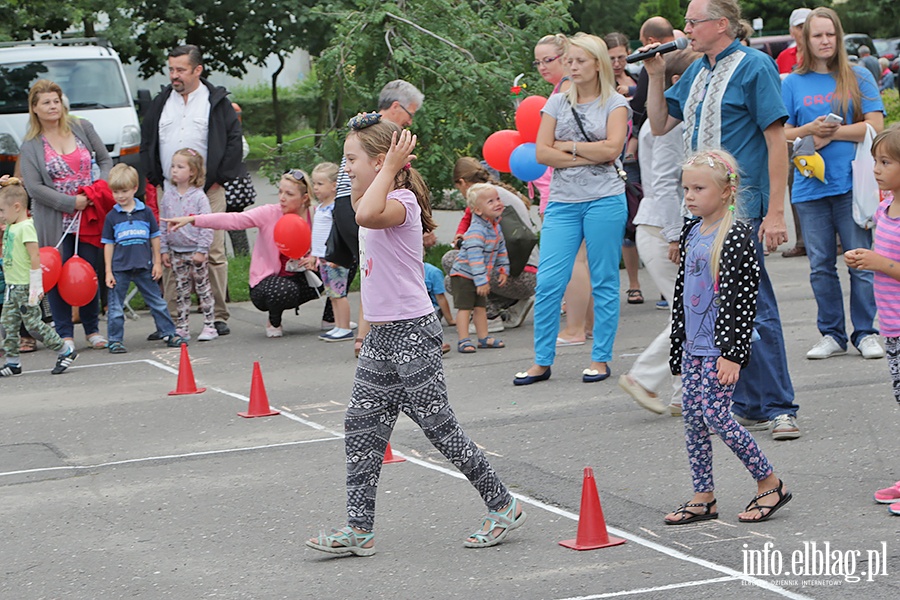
x=88 y=84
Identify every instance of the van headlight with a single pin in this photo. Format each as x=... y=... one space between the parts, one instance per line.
x=131 y=136
x=9 y=147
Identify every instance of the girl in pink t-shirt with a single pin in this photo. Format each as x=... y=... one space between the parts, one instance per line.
x=400 y=363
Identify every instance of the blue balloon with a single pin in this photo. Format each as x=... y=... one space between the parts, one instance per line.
x=523 y=163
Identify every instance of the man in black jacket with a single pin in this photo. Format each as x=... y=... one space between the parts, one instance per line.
x=199 y=116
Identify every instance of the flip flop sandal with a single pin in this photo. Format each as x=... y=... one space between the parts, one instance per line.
x=97 y=341
x=465 y=346
x=506 y=521
x=27 y=344
x=635 y=296
x=494 y=342
x=767 y=511
x=348 y=542
x=693 y=517
x=564 y=343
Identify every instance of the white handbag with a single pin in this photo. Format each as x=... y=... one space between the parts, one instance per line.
x=866 y=195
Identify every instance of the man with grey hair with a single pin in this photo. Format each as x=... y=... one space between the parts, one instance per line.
x=711 y=100
x=870 y=62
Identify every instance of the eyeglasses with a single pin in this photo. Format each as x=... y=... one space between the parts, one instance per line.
x=406 y=110
x=695 y=22
x=297 y=175
x=544 y=61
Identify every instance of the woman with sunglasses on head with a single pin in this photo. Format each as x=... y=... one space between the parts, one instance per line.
x=276 y=283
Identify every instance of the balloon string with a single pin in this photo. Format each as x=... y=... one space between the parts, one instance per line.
x=74 y=225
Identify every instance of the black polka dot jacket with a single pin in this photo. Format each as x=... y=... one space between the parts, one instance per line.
x=738 y=285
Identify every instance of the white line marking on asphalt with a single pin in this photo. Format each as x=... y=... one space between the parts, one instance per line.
x=165 y=457
x=673 y=586
x=731 y=574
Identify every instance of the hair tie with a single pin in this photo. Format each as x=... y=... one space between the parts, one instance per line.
x=407 y=166
x=731 y=207
x=363 y=120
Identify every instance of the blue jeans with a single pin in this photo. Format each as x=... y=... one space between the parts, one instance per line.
x=764 y=389
x=820 y=220
x=62 y=310
x=149 y=289
x=601 y=224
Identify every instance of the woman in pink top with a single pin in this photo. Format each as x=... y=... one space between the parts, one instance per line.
x=400 y=365
x=276 y=283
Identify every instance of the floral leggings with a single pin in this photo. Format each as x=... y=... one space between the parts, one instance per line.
x=707 y=410
x=191 y=276
x=892 y=347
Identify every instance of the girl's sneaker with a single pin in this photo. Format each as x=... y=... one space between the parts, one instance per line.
x=888 y=495
x=894 y=508
x=209 y=333
x=273 y=332
x=10 y=370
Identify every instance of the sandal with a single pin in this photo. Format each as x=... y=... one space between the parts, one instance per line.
x=445 y=348
x=635 y=296
x=767 y=511
x=347 y=539
x=493 y=343
x=692 y=516
x=97 y=341
x=117 y=348
x=357 y=346
x=465 y=346
x=27 y=344
x=506 y=521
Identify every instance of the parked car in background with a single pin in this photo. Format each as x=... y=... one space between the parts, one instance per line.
x=90 y=74
x=771 y=44
x=852 y=42
x=889 y=48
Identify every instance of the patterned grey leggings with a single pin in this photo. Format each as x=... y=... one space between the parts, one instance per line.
x=892 y=346
x=400 y=368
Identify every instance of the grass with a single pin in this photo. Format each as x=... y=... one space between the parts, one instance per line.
x=238 y=283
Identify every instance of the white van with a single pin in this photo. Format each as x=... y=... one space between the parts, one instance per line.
x=90 y=75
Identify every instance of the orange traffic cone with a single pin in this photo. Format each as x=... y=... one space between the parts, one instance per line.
x=186 y=384
x=259 y=400
x=591 y=524
x=389 y=456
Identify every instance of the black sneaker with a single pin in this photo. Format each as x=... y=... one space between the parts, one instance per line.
x=222 y=328
x=10 y=370
x=64 y=361
x=154 y=337
x=175 y=341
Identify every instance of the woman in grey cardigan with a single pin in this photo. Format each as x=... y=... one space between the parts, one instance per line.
x=56 y=159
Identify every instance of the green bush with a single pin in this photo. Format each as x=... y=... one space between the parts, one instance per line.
x=298 y=106
x=891 y=106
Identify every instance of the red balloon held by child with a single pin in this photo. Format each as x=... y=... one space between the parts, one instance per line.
x=77 y=282
x=51 y=265
x=293 y=237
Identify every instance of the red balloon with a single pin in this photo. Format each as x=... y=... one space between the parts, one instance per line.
x=499 y=146
x=292 y=235
x=51 y=265
x=77 y=282
x=528 y=117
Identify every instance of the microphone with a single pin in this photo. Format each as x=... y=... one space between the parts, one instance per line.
x=678 y=44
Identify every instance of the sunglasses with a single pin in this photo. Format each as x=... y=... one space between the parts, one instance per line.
x=297 y=175
x=544 y=61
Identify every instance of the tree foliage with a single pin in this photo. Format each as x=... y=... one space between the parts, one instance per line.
x=463 y=56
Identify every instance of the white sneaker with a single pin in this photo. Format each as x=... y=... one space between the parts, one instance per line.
x=209 y=333
x=494 y=325
x=515 y=314
x=826 y=348
x=870 y=348
x=274 y=332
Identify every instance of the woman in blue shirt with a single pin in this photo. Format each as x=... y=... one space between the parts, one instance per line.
x=826 y=83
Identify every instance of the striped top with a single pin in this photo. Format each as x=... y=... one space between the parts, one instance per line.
x=343 y=181
x=887 y=289
x=483 y=249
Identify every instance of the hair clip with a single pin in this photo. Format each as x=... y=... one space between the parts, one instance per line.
x=709 y=159
x=191 y=151
x=407 y=166
x=363 y=120
x=731 y=207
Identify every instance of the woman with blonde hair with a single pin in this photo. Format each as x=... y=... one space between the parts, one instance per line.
x=57 y=159
x=825 y=83
x=582 y=132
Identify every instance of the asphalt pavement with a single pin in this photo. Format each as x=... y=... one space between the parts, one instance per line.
x=111 y=488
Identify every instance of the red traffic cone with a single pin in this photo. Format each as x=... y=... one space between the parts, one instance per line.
x=591 y=524
x=389 y=456
x=259 y=400
x=186 y=384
